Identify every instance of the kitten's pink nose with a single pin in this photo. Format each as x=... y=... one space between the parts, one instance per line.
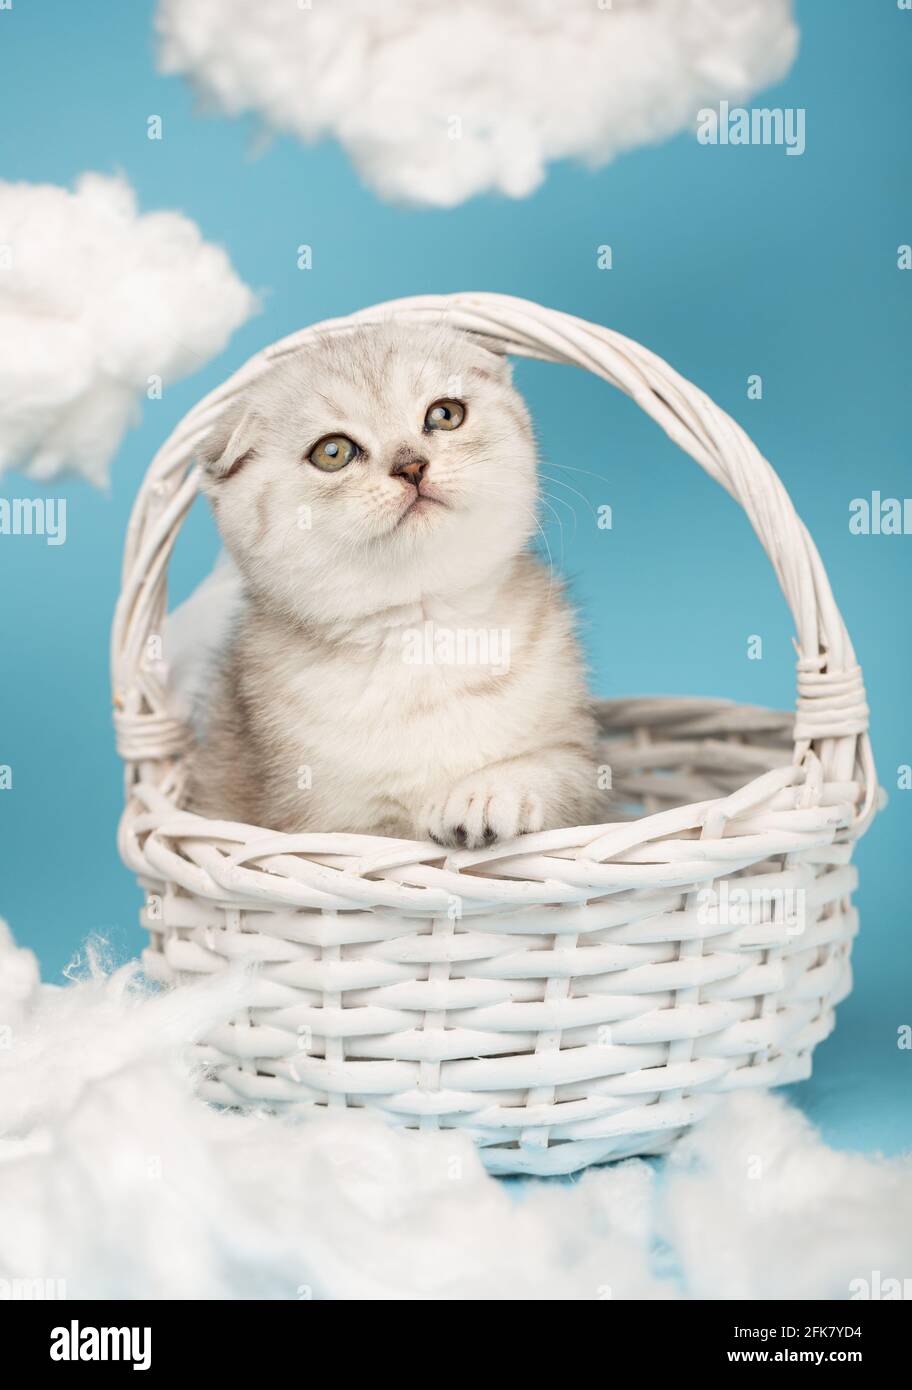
x=409 y=466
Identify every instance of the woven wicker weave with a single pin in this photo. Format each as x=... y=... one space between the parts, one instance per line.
x=571 y=997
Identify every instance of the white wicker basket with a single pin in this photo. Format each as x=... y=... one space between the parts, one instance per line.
x=572 y=997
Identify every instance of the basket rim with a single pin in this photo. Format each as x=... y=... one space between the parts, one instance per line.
x=784 y=810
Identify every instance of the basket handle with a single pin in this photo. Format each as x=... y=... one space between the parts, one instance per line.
x=832 y=713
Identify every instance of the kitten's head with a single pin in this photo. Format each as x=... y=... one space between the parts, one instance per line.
x=373 y=468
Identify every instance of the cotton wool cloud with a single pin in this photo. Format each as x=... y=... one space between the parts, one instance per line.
x=99 y=304
x=436 y=101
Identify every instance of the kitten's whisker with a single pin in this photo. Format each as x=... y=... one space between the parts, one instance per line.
x=572 y=468
x=560 y=527
x=562 y=501
x=559 y=482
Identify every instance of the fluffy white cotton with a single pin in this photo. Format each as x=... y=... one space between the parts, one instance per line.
x=782 y=1215
x=436 y=102
x=115 y=1179
x=99 y=304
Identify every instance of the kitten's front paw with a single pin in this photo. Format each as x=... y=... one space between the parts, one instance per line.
x=493 y=804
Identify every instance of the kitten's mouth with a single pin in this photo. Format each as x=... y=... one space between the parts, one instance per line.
x=420 y=504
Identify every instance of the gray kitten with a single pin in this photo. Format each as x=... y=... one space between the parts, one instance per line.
x=403 y=664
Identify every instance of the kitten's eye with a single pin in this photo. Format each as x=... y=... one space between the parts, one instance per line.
x=445 y=415
x=333 y=452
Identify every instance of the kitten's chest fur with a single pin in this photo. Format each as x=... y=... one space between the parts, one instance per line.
x=427 y=702
x=353 y=728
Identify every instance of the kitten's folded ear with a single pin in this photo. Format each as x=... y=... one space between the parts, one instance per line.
x=230 y=442
x=494 y=357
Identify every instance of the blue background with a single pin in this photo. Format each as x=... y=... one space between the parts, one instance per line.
x=727 y=262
